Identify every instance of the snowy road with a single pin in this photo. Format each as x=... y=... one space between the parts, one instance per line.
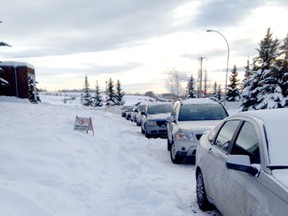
x=46 y=168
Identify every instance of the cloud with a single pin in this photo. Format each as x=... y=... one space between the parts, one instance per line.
x=224 y=13
x=62 y=27
x=132 y=40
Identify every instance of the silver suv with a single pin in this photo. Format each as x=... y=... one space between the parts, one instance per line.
x=139 y=110
x=154 y=119
x=189 y=120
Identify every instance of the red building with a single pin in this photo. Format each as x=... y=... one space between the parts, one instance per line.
x=18 y=75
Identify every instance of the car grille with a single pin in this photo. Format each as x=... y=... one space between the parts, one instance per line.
x=161 y=123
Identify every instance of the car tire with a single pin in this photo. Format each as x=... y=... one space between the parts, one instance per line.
x=201 y=195
x=169 y=144
x=176 y=159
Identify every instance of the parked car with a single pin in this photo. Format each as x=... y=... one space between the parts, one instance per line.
x=123 y=111
x=128 y=112
x=189 y=120
x=154 y=119
x=132 y=118
x=139 y=113
x=242 y=164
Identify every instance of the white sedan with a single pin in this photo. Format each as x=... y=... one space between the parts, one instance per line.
x=242 y=164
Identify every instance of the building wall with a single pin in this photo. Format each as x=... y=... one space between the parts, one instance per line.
x=17 y=76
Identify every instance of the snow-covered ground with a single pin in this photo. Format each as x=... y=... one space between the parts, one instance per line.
x=47 y=168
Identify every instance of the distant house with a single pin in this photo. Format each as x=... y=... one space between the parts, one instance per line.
x=21 y=80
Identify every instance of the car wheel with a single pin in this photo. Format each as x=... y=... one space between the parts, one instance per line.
x=176 y=159
x=202 y=200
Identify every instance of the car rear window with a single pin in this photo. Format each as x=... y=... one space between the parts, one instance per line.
x=200 y=112
x=163 y=108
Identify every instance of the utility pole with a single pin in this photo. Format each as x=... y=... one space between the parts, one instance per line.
x=205 y=83
x=200 y=75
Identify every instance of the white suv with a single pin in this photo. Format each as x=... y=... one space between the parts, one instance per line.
x=189 y=120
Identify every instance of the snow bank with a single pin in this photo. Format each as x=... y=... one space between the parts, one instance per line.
x=47 y=168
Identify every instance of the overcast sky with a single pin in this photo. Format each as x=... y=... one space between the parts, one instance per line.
x=135 y=41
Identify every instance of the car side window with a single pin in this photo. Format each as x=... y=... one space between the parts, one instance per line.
x=225 y=134
x=247 y=143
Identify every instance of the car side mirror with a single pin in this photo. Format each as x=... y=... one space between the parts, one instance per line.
x=241 y=163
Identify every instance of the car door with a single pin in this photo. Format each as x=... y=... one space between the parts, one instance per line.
x=244 y=189
x=171 y=124
x=215 y=172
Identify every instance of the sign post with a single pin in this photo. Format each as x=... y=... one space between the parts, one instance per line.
x=83 y=124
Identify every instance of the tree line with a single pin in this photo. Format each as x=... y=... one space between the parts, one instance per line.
x=113 y=94
x=265 y=83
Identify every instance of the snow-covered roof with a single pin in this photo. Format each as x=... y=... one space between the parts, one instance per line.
x=16 y=64
x=199 y=101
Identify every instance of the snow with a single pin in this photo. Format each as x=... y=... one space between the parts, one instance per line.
x=3 y=81
x=47 y=168
x=16 y=64
x=199 y=101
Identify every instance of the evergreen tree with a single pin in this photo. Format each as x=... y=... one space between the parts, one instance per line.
x=111 y=93
x=248 y=71
x=248 y=99
x=87 y=100
x=268 y=51
x=97 y=98
x=2 y=43
x=119 y=94
x=32 y=90
x=262 y=89
x=3 y=82
x=233 y=93
x=283 y=70
x=269 y=92
x=191 y=88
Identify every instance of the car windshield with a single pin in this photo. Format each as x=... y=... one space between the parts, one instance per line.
x=161 y=108
x=199 y=112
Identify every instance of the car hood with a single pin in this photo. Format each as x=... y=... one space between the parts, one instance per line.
x=198 y=125
x=162 y=116
x=281 y=176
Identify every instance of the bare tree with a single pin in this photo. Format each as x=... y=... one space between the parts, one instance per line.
x=174 y=83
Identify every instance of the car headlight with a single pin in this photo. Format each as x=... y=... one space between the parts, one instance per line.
x=185 y=137
x=151 y=123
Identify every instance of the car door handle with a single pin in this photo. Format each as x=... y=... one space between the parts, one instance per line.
x=210 y=150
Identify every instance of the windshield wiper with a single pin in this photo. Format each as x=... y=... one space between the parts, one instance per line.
x=277 y=167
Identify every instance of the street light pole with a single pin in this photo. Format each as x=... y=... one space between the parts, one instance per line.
x=227 y=67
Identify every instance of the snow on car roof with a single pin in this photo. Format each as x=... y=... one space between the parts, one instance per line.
x=199 y=101
x=158 y=103
x=276 y=125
